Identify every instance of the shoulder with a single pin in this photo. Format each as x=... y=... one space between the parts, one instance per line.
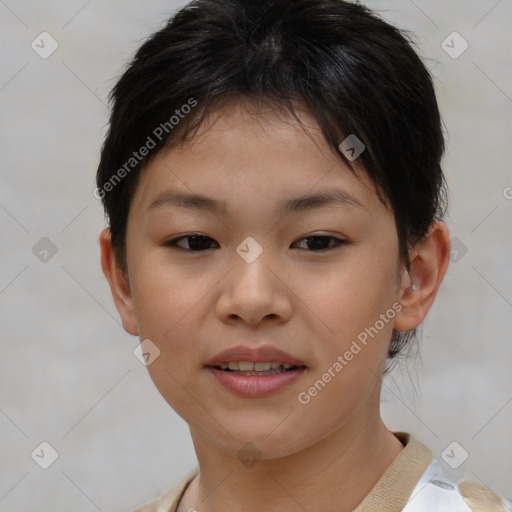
x=481 y=498
x=168 y=501
x=437 y=491
x=417 y=482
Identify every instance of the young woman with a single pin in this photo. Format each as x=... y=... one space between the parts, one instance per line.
x=272 y=180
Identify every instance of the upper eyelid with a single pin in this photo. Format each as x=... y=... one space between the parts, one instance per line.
x=312 y=235
x=172 y=241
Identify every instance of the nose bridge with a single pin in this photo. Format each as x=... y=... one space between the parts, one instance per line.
x=253 y=290
x=256 y=275
x=251 y=274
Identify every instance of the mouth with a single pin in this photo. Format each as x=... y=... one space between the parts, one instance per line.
x=255 y=372
x=256 y=368
x=255 y=379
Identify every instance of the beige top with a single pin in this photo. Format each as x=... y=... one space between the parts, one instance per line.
x=414 y=482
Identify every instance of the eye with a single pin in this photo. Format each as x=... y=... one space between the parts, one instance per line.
x=196 y=243
x=199 y=243
x=320 y=242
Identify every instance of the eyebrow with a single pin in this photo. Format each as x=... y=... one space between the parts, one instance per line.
x=199 y=202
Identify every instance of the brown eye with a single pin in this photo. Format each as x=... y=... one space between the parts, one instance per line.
x=321 y=242
x=193 y=243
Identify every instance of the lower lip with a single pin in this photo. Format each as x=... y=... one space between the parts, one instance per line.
x=255 y=386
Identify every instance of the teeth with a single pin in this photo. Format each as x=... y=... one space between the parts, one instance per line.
x=261 y=367
x=247 y=366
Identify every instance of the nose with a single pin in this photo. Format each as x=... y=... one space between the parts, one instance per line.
x=254 y=292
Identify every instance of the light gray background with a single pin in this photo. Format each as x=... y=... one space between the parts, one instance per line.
x=67 y=373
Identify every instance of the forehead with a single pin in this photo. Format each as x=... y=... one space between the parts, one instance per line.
x=244 y=153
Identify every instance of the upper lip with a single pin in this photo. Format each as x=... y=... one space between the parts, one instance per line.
x=262 y=354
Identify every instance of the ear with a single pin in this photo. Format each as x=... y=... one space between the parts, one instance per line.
x=119 y=286
x=429 y=261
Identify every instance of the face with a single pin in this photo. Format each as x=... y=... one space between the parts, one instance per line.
x=255 y=265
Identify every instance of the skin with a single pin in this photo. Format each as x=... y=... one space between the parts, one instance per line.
x=326 y=455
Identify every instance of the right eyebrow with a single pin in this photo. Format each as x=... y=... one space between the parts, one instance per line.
x=190 y=201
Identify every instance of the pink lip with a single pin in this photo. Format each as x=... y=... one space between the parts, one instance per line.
x=256 y=386
x=265 y=353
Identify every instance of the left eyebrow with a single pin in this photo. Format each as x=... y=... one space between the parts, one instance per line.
x=320 y=199
x=285 y=207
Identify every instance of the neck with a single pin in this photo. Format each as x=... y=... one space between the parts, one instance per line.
x=334 y=475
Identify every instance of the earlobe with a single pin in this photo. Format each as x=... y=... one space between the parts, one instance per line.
x=429 y=262
x=119 y=287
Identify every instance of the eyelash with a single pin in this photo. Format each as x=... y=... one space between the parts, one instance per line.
x=172 y=244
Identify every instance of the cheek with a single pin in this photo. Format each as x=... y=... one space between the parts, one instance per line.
x=351 y=294
x=349 y=301
x=168 y=306
x=164 y=295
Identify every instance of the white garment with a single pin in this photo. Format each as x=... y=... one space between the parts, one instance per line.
x=436 y=491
